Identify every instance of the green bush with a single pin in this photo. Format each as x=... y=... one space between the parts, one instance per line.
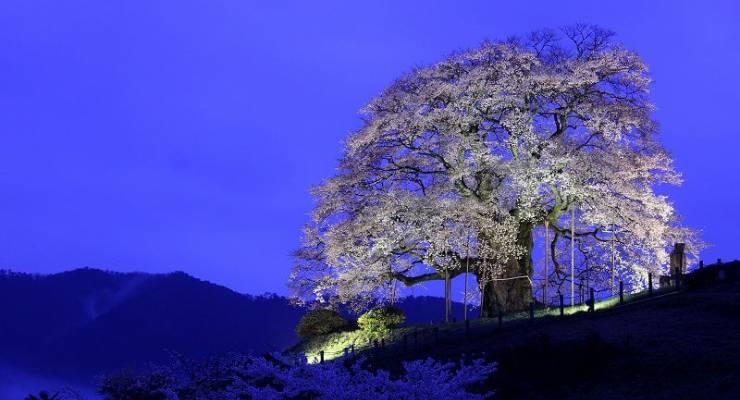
x=379 y=321
x=320 y=322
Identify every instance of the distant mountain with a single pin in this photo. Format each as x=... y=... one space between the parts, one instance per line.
x=87 y=321
x=427 y=309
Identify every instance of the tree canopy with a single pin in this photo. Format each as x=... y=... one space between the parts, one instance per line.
x=460 y=163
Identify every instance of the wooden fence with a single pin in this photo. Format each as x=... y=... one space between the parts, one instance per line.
x=421 y=338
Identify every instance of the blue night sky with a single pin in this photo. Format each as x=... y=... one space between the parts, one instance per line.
x=164 y=135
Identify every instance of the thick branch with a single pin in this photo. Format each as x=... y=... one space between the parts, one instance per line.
x=431 y=276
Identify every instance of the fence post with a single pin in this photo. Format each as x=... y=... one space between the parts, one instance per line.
x=531 y=311
x=562 y=310
x=321 y=356
x=353 y=348
x=592 y=301
x=621 y=292
x=701 y=264
x=650 y=283
x=500 y=319
x=346 y=352
x=467 y=327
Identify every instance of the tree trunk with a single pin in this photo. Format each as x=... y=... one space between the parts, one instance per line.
x=512 y=291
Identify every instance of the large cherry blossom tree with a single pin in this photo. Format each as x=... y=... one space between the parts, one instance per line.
x=459 y=165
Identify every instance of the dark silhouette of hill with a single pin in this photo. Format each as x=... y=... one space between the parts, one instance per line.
x=85 y=322
x=682 y=345
x=426 y=309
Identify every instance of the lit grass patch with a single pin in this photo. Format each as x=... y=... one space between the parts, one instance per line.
x=334 y=344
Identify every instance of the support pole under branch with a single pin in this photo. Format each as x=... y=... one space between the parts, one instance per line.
x=572 y=256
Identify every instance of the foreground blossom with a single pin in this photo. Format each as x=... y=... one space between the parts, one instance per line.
x=250 y=377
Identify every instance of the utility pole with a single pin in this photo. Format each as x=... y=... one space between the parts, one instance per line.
x=447 y=280
x=612 y=268
x=547 y=263
x=572 y=256
x=467 y=271
x=447 y=294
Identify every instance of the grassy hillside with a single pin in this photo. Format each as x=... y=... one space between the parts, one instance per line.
x=677 y=346
x=423 y=335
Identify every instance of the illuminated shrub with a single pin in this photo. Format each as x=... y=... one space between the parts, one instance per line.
x=320 y=322
x=379 y=321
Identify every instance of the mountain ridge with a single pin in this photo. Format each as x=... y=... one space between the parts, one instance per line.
x=88 y=321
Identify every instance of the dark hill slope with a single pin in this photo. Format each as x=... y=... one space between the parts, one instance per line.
x=36 y=310
x=428 y=309
x=680 y=346
x=177 y=313
x=88 y=321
